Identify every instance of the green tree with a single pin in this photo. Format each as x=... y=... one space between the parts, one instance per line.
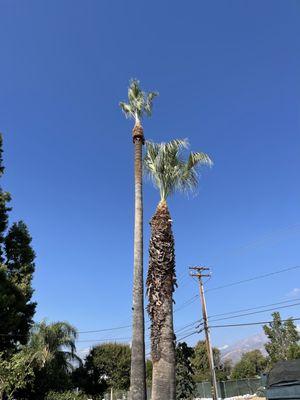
x=283 y=339
x=4 y=209
x=20 y=257
x=17 y=267
x=108 y=366
x=185 y=384
x=139 y=104
x=13 y=315
x=20 y=268
x=169 y=172
x=201 y=367
x=15 y=373
x=251 y=365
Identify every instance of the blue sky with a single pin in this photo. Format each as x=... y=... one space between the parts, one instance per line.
x=228 y=77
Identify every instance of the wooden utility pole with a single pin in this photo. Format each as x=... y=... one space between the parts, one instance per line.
x=199 y=274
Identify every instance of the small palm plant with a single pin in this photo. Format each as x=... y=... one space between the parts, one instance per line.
x=169 y=171
x=139 y=104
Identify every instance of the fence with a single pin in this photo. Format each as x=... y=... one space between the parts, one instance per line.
x=122 y=395
x=203 y=389
x=229 y=388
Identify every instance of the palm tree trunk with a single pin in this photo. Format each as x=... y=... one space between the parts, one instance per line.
x=138 y=366
x=161 y=281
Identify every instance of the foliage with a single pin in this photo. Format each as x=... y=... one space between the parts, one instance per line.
x=107 y=365
x=185 y=384
x=251 y=365
x=283 y=338
x=20 y=257
x=4 y=209
x=68 y=395
x=88 y=380
x=149 y=367
x=200 y=364
x=139 y=102
x=17 y=267
x=14 y=312
x=54 y=345
x=15 y=373
x=165 y=165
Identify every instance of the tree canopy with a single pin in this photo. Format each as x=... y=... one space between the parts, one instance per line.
x=108 y=365
x=185 y=384
x=251 y=365
x=200 y=363
x=283 y=343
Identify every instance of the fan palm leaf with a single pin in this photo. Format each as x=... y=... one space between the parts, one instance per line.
x=165 y=165
x=139 y=102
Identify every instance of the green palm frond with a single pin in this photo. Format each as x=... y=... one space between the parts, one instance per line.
x=140 y=103
x=127 y=110
x=165 y=165
x=53 y=341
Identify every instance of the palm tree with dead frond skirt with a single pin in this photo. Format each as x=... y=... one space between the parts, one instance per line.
x=169 y=171
x=139 y=104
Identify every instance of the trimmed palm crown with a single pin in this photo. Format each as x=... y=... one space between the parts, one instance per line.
x=165 y=165
x=140 y=102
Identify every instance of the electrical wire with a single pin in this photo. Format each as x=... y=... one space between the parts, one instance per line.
x=191 y=300
x=254 y=312
x=252 y=323
x=254 y=308
x=252 y=279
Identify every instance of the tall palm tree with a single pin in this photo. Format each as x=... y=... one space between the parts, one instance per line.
x=139 y=104
x=169 y=172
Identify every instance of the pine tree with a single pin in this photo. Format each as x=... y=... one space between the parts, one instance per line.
x=14 y=311
x=16 y=270
x=20 y=257
x=4 y=199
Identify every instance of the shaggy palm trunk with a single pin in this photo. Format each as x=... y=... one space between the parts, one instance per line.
x=161 y=281
x=138 y=369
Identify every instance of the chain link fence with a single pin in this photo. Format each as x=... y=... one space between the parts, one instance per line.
x=230 y=388
x=226 y=389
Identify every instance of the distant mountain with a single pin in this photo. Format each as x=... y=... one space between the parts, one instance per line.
x=235 y=351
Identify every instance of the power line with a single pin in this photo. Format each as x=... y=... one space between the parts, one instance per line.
x=255 y=308
x=191 y=300
x=103 y=340
x=106 y=329
x=186 y=303
x=255 y=312
x=186 y=326
x=252 y=323
x=253 y=279
x=186 y=336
